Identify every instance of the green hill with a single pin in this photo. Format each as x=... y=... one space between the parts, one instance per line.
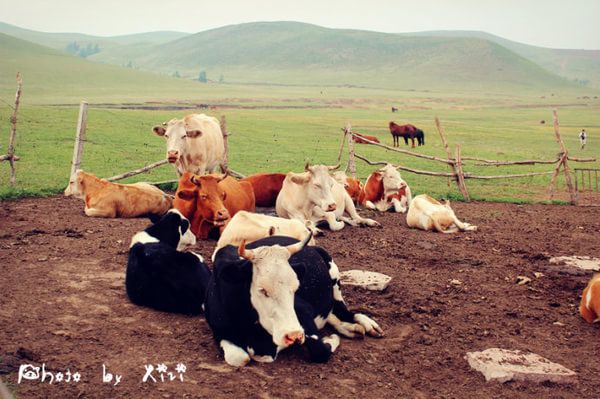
x=298 y=53
x=50 y=74
x=582 y=66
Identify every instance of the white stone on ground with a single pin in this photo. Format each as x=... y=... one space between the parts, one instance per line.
x=504 y=365
x=372 y=281
x=581 y=262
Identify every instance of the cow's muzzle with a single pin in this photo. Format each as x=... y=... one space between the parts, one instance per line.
x=294 y=337
x=172 y=156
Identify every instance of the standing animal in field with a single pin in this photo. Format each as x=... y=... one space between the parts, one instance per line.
x=407 y=131
x=353 y=186
x=314 y=196
x=590 y=301
x=194 y=143
x=249 y=226
x=426 y=213
x=162 y=277
x=394 y=109
x=266 y=187
x=112 y=200
x=385 y=189
x=274 y=293
x=362 y=138
x=210 y=201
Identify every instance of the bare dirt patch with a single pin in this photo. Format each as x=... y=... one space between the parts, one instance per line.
x=63 y=303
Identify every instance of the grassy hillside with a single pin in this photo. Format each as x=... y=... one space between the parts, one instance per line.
x=298 y=53
x=583 y=65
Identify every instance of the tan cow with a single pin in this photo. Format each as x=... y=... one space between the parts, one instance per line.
x=111 y=200
x=590 y=301
x=249 y=227
x=194 y=143
x=426 y=213
x=314 y=196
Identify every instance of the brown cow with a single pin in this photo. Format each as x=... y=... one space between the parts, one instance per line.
x=385 y=189
x=111 y=200
x=266 y=187
x=590 y=301
x=210 y=201
x=362 y=138
x=353 y=186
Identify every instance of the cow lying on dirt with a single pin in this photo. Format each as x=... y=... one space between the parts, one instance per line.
x=162 y=277
x=314 y=196
x=248 y=227
x=210 y=201
x=353 y=186
x=110 y=200
x=385 y=189
x=266 y=187
x=590 y=301
x=274 y=293
x=426 y=213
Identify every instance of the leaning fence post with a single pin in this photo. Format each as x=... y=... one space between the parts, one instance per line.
x=10 y=155
x=445 y=143
x=351 y=164
x=563 y=148
x=78 y=148
x=225 y=134
x=460 y=175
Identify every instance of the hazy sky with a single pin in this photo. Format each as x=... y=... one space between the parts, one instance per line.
x=549 y=23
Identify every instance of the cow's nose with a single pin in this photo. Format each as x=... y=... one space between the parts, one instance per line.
x=331 y=207
x=173 y=153
x=293 y=338
x=223 y=214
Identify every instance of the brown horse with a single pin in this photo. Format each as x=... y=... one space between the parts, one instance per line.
x=407 y=132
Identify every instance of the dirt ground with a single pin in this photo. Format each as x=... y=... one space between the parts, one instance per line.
x=63 y=303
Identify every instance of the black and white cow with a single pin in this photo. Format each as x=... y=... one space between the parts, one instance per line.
x=161 y=276
x=274 y=293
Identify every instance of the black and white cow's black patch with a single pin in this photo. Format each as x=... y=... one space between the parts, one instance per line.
x=236 y=325
x=162 y=277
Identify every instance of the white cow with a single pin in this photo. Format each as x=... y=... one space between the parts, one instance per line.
x=249 y=227
x=314 y=196
x=426 y=213
x=194 y=143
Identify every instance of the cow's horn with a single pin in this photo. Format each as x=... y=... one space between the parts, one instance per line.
x=298 y=246
x=223 y=176
x=334 y=167
x=307 y=166
x=194 y=181
x=245 y=253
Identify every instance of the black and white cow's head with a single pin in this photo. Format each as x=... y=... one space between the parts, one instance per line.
x=172 y=229
x=273 y=287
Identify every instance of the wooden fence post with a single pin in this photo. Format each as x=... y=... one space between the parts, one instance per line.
x=445 y=143
x=460 y=175
x=225 y=133
x=351 y=164
x=10 y=155
x=78 y=148
x=565 y=163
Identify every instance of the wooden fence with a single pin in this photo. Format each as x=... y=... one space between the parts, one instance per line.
x=10 y=154
x=456 y=167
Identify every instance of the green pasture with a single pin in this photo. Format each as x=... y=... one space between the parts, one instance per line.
x=281 y=139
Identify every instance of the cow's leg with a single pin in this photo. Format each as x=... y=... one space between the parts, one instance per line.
x=398 y=205
x=234 y=355
x=370 y=205
x=334 y=225
x=100 y=213
x=382 y=205
x=319 y=349
x=412 y=139
x=350 y=209
x=347 y=323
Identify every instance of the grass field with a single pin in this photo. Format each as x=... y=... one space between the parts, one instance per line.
x=266 y=139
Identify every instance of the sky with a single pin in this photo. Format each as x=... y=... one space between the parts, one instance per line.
x=557 y=24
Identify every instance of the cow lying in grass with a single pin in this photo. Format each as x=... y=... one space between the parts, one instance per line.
x=110 y=200
x=162 y=277
x=426 y=213
x=385 y=189
x=274 y=293
x=590 y=301
x=314 y=196
x=248 y=227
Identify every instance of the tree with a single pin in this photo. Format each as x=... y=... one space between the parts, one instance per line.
x=202 y=77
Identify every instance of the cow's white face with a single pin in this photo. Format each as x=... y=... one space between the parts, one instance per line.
x=318 y=184
x=272 y=290
x=341 y=177
x=391 y=178
x=177 y=134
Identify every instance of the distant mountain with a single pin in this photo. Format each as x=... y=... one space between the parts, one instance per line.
x=299 y=53
x=582 y=66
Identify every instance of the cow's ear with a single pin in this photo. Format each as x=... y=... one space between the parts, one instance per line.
x=159 y=130
x=186 y=194
x=193 y=133
x=300 y=178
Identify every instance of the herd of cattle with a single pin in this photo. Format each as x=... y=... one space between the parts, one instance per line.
x=270 y=286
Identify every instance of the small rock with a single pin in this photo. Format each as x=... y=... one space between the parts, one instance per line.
x=372 y=281
x=538 y=274
x=455 y=282
x=119 y=241
x=504 y=365
x=42 y=259
x=581 y=262
x=522 y=280
x=558 y=323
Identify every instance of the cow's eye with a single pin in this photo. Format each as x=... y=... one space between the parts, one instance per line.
x=264 y=292
x=184 y=136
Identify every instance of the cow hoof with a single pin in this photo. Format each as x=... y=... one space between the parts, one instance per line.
x=371 y=327
x=234 y=355
x=337 y=226
x=333 y=340
x=371 y=223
